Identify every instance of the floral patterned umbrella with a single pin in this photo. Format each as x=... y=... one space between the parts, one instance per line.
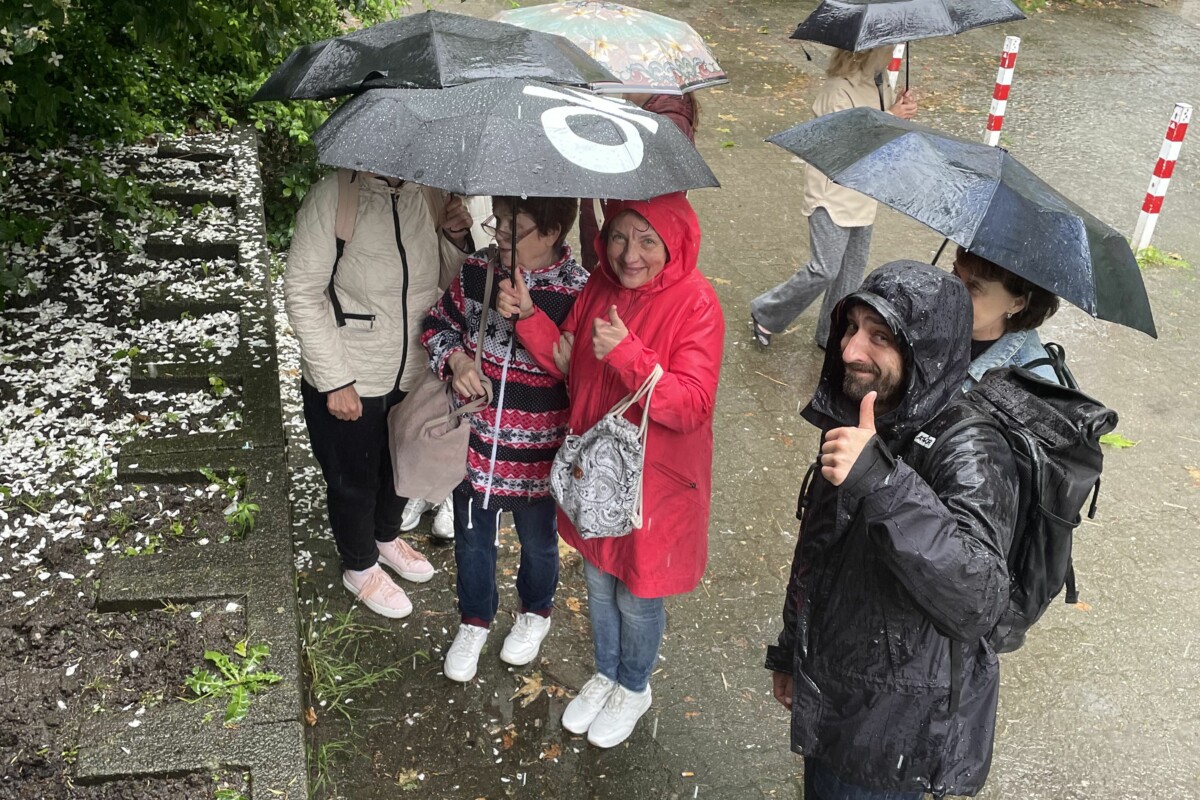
x=648 y=52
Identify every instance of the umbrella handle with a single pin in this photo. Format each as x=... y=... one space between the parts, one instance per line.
x=907 y=63
x=938 y=254
x=512 y=237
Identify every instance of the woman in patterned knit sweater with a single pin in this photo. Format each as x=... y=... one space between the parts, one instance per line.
x=532 y=425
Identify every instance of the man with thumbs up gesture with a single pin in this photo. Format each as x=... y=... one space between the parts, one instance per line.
x=898 y=577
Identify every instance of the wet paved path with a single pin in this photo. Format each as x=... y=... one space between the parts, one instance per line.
x=1102 y=702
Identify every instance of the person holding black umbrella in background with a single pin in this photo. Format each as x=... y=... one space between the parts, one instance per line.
x=839 y=220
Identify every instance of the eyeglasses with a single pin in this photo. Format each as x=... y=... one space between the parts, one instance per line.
x=495 y=231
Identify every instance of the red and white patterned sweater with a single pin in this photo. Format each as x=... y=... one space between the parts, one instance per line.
x=533 y=422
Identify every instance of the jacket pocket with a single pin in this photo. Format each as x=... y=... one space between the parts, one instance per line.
x=677 y=477
x=359 y=322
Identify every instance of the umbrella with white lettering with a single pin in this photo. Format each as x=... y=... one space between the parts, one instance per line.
x=513 y=137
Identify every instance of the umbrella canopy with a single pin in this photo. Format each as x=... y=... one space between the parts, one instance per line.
x=506 y=137
x=428 y=51
x=984 y=199
x=861 y=24
x=647 y=52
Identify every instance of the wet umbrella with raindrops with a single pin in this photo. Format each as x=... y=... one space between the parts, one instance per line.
x=984 y=199
x=512 y=137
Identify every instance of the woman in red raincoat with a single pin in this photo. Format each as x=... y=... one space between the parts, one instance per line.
x=646 y=305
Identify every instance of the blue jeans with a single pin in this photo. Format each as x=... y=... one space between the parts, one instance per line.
x=821 y=784
x=626 y=629
x=475 y=557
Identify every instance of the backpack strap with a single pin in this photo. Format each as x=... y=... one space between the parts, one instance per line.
x=1056 y=359
x=347 y=206
x=953 y=418
x=343 y=231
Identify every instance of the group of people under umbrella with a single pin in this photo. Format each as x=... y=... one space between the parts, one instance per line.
x=387 y=291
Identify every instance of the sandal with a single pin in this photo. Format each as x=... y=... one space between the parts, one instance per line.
x=761 y=334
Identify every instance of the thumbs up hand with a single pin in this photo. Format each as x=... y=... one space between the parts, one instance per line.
x=607 y=333
x=843 y=446
x=513 y=301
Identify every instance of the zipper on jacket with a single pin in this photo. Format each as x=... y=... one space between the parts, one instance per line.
x=677 y=476
x=404 y=292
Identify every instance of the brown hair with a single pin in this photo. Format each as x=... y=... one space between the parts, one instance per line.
x=1040 y=304
x=846 y=64
x=548 y=213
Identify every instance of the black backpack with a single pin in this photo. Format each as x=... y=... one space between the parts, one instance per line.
x=1054 y=432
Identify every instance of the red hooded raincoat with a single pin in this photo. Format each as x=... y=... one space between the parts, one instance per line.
x=674 y=320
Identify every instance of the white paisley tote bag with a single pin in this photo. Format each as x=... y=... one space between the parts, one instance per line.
x=597 y=476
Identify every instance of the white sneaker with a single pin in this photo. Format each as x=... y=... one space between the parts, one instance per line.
x=525 y=639
x=619 y=716
x=462 y=659
x=443 y=521
x=413 y=510
x=582 y=711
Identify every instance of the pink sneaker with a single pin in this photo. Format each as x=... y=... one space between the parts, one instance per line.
x=404 y=560
x=378 y=592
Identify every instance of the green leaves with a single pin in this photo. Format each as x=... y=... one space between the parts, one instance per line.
x=1117 y=441
x=237 y=681
x=1151 y=257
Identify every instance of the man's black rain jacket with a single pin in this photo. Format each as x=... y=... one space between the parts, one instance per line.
x=893 y=570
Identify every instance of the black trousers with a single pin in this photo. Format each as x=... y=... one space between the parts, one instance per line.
x=357 y=465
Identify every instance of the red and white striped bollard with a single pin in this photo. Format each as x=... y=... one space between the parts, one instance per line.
x=1167 y=156
x=893 y=69
x=1004 y=76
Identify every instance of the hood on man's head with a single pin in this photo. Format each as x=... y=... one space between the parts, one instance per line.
x=672 y=217
x=929 y=311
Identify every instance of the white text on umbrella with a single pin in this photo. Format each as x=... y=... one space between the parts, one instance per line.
x=585 y=153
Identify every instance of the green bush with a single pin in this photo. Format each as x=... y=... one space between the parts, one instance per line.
x=121 y=70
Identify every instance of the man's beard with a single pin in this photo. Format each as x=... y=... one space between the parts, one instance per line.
x=861 y=379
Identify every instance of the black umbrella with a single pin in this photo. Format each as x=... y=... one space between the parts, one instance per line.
x=506 y=137
x=429 y=51
x=984 y=199
x=862 y=24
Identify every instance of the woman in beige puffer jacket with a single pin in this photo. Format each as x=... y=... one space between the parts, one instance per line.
x=360 y=353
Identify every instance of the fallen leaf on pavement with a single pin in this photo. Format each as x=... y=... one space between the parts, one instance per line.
x=531 y=687
x=1117 y=441
x=310 y=715
x=552 y=751
x=573 y=602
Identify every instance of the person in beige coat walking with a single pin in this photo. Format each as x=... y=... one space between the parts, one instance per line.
x=839 y=219
x=357 y=305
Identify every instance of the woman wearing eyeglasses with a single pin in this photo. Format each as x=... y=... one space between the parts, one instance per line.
x=532 y=423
